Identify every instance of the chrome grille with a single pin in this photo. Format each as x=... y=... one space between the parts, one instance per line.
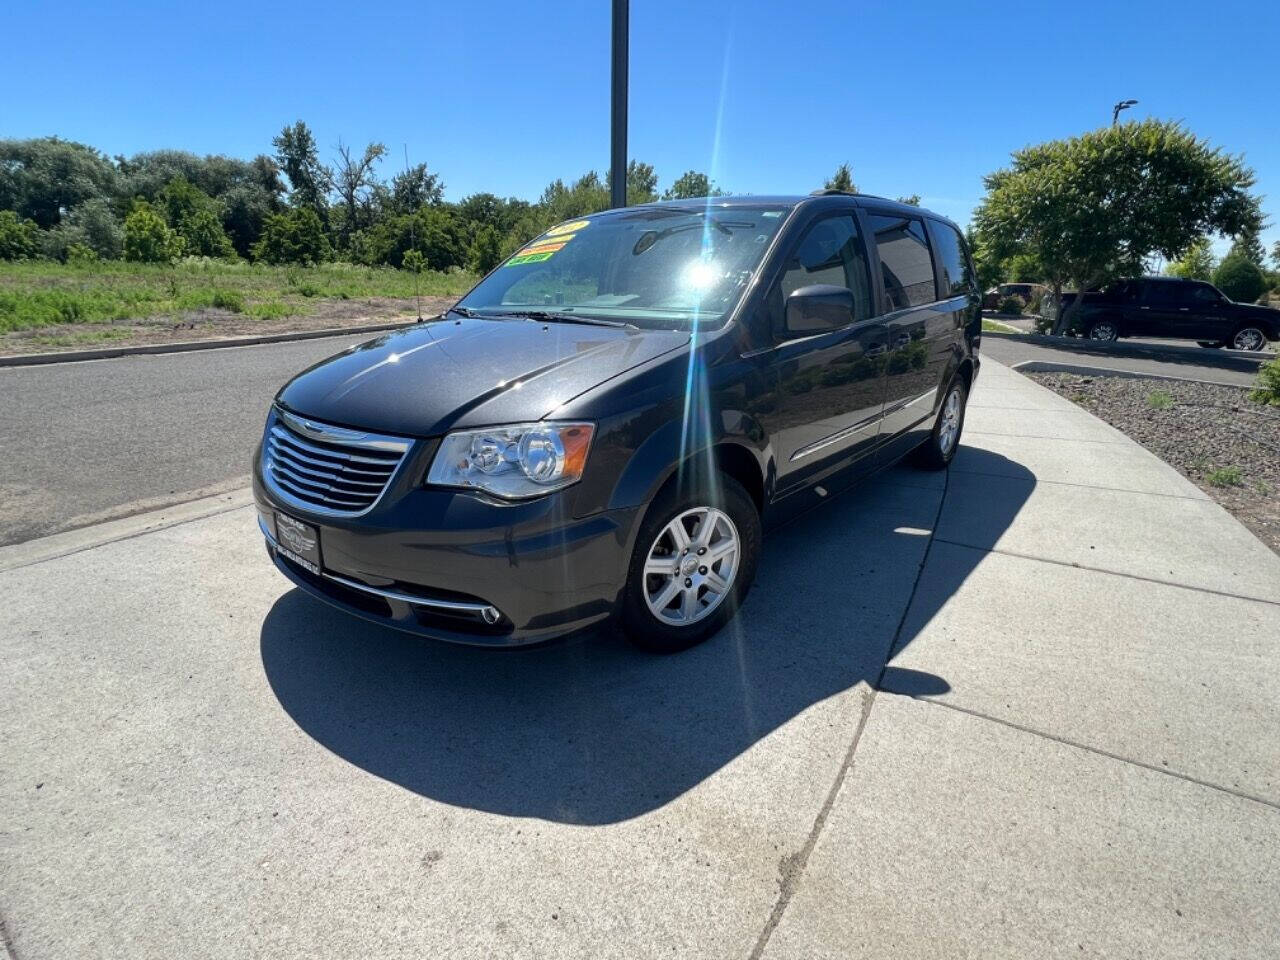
x=328 y=469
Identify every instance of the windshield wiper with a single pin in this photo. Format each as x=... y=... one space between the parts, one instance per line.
x=464 y=312
x=551 y=316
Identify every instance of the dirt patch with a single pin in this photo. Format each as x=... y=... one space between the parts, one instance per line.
x=1216 y=436
x=212 y=324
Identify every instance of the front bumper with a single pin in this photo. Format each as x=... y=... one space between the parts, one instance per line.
x=437 y=562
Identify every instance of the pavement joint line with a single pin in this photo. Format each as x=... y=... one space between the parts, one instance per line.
x=797 y=864
x=1041 y=436
x=1240 y=794
x=1111 y=573
x=1036 y=481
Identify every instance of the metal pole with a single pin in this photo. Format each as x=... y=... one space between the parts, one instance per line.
x=618 y=140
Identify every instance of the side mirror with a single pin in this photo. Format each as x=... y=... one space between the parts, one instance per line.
x=819 y=308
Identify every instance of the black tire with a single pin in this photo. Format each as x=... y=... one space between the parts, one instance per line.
x=934 y=454
x=642 y=626
x=1211 y=344
x=1104 y=331
x=1256 y=337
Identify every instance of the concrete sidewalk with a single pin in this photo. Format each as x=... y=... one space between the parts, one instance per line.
x=1026 y=708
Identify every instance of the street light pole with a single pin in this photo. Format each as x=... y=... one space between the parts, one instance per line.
x=1122 y=105
x=618 y=139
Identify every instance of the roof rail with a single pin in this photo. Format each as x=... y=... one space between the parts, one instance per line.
x=833 y=192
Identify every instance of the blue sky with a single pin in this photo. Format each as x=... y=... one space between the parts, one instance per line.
x=920 y=97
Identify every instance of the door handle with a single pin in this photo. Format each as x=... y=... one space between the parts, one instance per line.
x=877 y=350
x=1144 y=308
x=1183 y=309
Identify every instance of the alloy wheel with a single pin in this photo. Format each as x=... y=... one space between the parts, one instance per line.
x=1249 y=338
x=1103 y=331
x=691 y=566
x=949 y=428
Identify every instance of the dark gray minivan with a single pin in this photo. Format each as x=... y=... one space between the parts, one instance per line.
x=605 y=424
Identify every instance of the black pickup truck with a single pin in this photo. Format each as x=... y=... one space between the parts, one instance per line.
x=1176 y=309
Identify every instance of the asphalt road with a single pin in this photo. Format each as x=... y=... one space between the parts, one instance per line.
x=1166 y=358
x=85 y=442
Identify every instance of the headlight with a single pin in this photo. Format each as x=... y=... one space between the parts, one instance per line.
x=513 y=462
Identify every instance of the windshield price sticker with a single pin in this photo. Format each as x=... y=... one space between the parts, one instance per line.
x=549 y=244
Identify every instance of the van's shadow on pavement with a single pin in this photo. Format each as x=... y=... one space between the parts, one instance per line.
x=592 y=731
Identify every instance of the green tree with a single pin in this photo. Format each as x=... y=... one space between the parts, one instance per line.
x=1196 y=263
x=485 y=251
x=43 y=179
x=296 y=236
x=1094 y=207
x=989 y=271
x=147 y=238
x=413 y=189
x=18 y=237
x=1239 y=278
x=642 y=183
x=434 y=232
x=203 y=235
x=912 y=200
x=354 y=181
x=244 y=211
x=1275 y=254
x=299 y=159
x=842 y=179
x=100 y=227
x=1249 y=246
x=691 y=184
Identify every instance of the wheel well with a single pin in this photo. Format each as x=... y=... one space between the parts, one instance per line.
x=965 y=372
x=1268 y=328
x=741 y=464
x=730 y=458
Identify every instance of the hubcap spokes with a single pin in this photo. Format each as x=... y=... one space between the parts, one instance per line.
x=950 y=422
x=1103 y=332
x=1248 y=340
x=691 y=566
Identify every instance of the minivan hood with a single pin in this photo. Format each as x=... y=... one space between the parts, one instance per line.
x=431 y=378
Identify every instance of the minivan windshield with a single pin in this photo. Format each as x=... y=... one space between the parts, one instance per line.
x=652 y=267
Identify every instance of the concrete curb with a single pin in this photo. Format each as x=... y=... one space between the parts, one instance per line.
x=185 y=346
x=1053 y=366
x=86 y=538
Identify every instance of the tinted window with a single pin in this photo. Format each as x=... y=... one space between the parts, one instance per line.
x=954 y=264
x=1160 y=291
x=906 y=267
x=1199 y=295
x=831 y=252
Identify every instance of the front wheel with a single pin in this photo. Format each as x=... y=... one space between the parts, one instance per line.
x=1249 y=338
x=1104 y=331
x=944 y=439
x=693 y=563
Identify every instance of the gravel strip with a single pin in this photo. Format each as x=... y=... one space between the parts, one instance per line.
x=1225 y=443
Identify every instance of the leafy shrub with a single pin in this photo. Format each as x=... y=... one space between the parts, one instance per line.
x=1266 y=388
x=203 y=235
x=486 y=250
x=228 y=300
x=1011 y=304
x=18 y=238
x=98 y=227
x=293 y=237
x=413 y=261
x=1225 y=477
x=1159 y=399
x=1239 y=279
x=147 y=239
x=79 y=255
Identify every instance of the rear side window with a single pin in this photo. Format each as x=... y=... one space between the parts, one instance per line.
x=953 y=262
x=1199 y=295
x=831 y=252
x=1158 y=291
x=906 y=266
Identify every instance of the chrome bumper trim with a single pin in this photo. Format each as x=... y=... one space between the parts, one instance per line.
x=487 y=612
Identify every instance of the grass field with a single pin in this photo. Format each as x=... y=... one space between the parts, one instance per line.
x=43 y=294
